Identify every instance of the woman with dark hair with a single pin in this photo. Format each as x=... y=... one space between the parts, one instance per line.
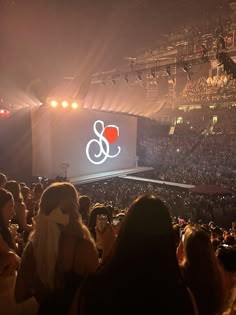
x=37 y=193
x=201 y=271
x=84 y=208
x=98 y=209
x=9 y=261
x=6 y=214
x=60 y=252
x=143 y=258
x=99 y=220
x=3 y=180
x=20 y=217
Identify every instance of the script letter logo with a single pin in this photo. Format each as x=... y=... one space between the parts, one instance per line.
x=106 y=136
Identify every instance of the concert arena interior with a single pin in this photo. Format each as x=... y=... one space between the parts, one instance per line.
x=118 y=177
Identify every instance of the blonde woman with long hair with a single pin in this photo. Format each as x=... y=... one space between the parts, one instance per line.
x=59 y=254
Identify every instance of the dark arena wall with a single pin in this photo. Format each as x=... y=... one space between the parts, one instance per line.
x=16 y=145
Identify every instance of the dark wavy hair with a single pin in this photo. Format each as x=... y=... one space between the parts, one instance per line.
x=98 y=209
x=142 y=271
x=5 y=196
x=146 y=238
x=15 y=189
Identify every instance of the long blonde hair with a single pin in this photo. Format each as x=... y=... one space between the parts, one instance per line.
x=58 y=212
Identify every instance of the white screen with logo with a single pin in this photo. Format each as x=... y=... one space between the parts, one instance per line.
x=89 y=142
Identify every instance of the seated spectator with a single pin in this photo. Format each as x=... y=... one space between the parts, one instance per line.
x=143 y=258
x=59 y=254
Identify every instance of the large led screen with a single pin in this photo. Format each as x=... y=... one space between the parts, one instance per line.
x=88 y=142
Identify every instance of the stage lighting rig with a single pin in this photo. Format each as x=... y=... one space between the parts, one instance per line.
x=54 y=103
x=64 y=104
x=74 y=105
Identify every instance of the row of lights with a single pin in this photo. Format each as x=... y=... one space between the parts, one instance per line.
x=64 y=104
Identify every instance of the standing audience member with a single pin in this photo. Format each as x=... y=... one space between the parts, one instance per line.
x=36 y=194
x=20 y=217
x=84 y=208
x=25 y=191
x=9 y=261
x=201 y=271
x=3 y=180
x=59 y=254
x=99 y=221
x=6 y=214
x=143 y=258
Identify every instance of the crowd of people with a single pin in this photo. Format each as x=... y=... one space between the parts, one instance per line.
x=68 y=250
x=201 y=150
x=208 y=89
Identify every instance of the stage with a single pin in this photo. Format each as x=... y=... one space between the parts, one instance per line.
x=101 y=176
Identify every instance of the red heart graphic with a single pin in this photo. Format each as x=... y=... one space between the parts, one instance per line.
x=111 y=134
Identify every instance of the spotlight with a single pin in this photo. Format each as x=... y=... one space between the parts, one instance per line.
x=75 y=105
x=64 y=104
x=54 y=103
x=4 y=113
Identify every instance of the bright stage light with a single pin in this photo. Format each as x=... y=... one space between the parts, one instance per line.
x=4 y=113
x=74 y=105
x=64 y=104
x=54 y=103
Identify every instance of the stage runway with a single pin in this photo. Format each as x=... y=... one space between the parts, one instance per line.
x=101 y=176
